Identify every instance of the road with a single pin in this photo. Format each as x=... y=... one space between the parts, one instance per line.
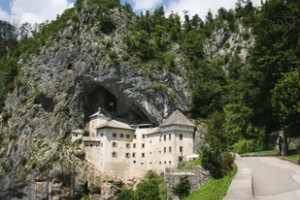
x=272 y=178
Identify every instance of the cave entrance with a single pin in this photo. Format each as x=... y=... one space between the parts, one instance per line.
x=97 y=96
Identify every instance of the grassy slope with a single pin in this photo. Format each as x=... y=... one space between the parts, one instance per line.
x=216 y=189
x=269 y=152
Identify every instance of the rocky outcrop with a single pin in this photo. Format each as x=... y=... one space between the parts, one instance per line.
x=59 y=88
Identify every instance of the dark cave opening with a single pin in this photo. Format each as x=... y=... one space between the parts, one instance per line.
x=97 y=97
x=112 y=106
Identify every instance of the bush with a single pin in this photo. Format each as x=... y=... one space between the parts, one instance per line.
x=217 y=162
x=182 y=189
x=125 y=193
x=6 y=115
x=243 y=146
x=13 y=136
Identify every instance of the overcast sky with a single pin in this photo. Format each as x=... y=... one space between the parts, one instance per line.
x=32 y=11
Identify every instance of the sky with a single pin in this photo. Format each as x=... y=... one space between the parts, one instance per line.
x=18 y=12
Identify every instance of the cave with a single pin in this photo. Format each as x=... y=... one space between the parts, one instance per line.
x=118 y=108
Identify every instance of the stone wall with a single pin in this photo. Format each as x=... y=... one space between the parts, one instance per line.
x=197 y=177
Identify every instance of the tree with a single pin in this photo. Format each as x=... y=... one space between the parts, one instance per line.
x=182 y=188
x=148 y=189
x=126 y=194
x=286 y=102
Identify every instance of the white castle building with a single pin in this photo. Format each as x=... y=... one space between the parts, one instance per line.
x=120 y=150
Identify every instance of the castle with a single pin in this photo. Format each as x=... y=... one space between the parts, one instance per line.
x=120 y=150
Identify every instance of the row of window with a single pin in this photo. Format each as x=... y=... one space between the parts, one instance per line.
x=122 y=135
x=165 y=162
x=170 y=149
x=127 y=155
x=128 y=145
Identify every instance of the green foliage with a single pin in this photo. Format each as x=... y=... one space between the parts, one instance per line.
x=23 y=160
x=126 y=194
x=182 y=188
x=13 y=136
x=151 y=188
x=6 y=115
x=218 y=163
x=188 y=165
x=286 y=102
x=215 y=189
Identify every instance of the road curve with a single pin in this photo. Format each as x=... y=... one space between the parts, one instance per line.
x=272 y=178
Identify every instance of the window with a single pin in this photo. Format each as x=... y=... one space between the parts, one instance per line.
x=151 y=152
x=165 y=149
x=143 y=145
x=170 y=149
x=150 y=163
x=180 y=159
x=127 y=155
x=127 y=135
x=134 y=161
x=133 y=155
x=169 y=162
x=180 y=136
x=165 y=137
x=134 y=145
x=101 y=134
x=75 y=135
x=160 y=162
x=143 y=155
x=128 y=145
x=121 y=135
x=165 y=162
x=143 y=136
x=170 y=137
x=91 y=145
x=159 y=151
x=114 y=144
x=114 y=154
x=114 y=135
x=142 y=163
x=134 y=136
x=180 y=149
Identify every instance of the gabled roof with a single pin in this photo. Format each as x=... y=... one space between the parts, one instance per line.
x=177 y=118
x=96 y=114
x=115 y=124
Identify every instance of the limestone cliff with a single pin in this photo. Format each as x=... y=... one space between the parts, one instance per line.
x=59 y=87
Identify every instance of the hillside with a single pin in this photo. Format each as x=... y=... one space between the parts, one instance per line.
x=139 y=69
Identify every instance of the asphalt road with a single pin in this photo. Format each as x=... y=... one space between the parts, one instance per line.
x=272 y=178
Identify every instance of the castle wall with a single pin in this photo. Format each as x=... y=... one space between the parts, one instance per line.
x=128 y=154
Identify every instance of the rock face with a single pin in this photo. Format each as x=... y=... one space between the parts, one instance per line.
x=60 y=87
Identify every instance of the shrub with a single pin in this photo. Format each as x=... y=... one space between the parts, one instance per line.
x=243 y=146
x=217 y=162
x=182 y=188
x=126 y=193
x=6 y=115
x=13 y=136
x=23 y=160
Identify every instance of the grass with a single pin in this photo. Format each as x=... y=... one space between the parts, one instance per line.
x=268 y=152
x=292 y=155
x=216 y=189
x=189 y=165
